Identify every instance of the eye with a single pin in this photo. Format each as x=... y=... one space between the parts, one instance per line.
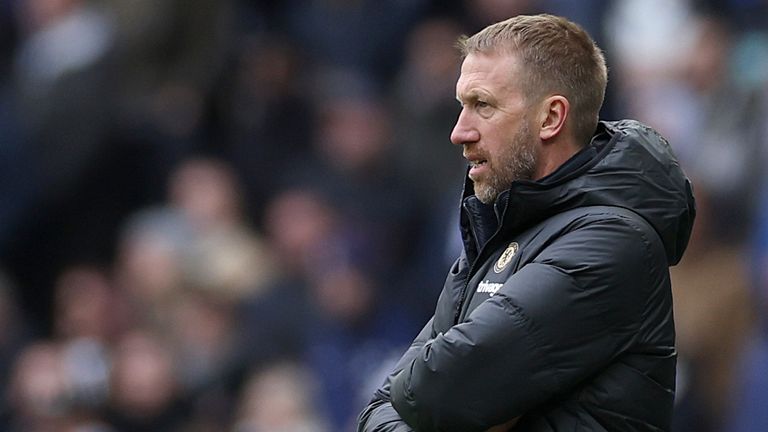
x=483 y=108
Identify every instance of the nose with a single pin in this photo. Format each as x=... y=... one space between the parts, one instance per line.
x=464 y=132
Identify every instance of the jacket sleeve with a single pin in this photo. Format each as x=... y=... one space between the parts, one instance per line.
x=553 y=324
x=379 y=416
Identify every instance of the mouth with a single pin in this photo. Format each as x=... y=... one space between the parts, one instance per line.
x=477 y=167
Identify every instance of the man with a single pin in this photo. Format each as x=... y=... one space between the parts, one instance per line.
x=558 y=314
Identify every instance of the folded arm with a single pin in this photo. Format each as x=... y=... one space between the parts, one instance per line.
x=379 y=415
x=553 y=324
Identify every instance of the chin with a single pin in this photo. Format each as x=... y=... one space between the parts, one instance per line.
x=485 y=195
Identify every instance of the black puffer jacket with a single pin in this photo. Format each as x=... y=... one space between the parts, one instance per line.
x=559 y=311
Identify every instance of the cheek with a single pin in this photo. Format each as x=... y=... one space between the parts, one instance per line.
x=498 y=141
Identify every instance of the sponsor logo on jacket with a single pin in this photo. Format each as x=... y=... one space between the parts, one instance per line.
x=489 y=287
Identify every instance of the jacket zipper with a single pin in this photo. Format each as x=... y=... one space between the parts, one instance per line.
x=469 y=273
x=477 y=259
x=472 y=266
x=463 y=297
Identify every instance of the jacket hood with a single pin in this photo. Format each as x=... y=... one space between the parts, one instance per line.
x=633 y=167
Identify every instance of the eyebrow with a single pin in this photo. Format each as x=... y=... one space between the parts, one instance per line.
x=473 y=95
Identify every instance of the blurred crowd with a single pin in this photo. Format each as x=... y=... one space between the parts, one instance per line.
x=235 y=215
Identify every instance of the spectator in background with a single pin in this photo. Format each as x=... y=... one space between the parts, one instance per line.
x=150 y=264
x=144 y=392
x=279 y=398
x=226 y=258
x=38 y=390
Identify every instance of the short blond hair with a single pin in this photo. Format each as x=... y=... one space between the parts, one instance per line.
x=557 y=56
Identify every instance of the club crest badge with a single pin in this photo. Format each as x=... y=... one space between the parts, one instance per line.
x=505 y=257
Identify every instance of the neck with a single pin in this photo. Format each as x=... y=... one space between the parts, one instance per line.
x=553 y=154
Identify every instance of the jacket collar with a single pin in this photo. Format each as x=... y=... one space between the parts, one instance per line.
x=524 y=203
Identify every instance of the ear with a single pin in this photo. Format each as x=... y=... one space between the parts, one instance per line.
x=553 y=114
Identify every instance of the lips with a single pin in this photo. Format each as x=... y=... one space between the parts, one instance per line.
x=474 y=158
x=476 y=167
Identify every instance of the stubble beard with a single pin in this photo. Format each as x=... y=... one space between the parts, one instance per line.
x=517 y=163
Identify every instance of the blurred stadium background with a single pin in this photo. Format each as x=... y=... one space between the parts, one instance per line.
x=234 y=215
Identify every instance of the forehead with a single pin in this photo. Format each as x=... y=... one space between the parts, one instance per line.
x=495 y=73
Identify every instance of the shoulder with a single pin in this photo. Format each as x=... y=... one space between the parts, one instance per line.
x=598 y=223
x=605 y=241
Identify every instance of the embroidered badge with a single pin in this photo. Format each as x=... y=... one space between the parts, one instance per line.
x=505 y=257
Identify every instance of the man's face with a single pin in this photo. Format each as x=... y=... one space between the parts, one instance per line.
x=494 y=125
